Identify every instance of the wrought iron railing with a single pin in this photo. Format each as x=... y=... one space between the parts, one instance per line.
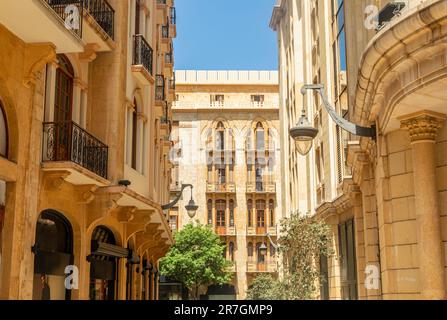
x=172 y=16
x=60 y=7
x=142 y=53
x=100 y=10
x=161 y=2
x=103 y=13
x=165 y=31
x=172 y=83
x=159 y=88
x=66 y=141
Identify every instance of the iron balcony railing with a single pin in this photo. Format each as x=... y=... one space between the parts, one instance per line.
x=60 y=7
x=103 y=13
x=161 y=2
x=172 y=83
x=165 y=31
x=159 y=88
x=169 y=57
x=66 y=141
x=172 y=16
x=143 y=53
x=100 y=10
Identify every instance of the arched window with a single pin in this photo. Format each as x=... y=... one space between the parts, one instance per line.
x=134 y=135
x=272 y=213
x=260 y=256
x=220 y=137
x=260 y=137
x=103 y=268
x=250 y=250
x=3 y=133
x=63 y=102
x=260 y=214
x=231 y=213
x=250 y=212
x=231 y=251
x=53 y=252
x=220 y=213
x=210 y=212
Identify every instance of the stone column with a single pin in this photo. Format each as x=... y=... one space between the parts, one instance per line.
x=423 y=128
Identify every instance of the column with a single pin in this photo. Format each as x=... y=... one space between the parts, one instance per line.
x=423 y=128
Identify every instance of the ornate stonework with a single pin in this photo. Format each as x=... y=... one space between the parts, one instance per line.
x=423 y=126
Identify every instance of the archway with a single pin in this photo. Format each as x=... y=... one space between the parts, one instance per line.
x=103 y=264
x=4 y=134
x=53 y=251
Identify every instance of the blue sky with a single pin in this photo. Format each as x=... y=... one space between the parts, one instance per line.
x=225 y=34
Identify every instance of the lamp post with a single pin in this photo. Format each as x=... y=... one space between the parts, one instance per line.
x=191 y=207
x=304 y=134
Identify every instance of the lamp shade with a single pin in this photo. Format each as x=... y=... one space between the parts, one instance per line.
x=303 y=134
x=263 y=249
x=191 y=208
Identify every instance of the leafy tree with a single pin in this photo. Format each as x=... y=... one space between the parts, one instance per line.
x=265 y=287
x=303 y=240
x=196 y=259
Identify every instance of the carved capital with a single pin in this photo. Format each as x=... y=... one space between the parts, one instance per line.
x=423 y=126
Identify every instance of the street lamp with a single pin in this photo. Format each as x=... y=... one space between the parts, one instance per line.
x=304 y=134
x=263 y=249
x=191 y=207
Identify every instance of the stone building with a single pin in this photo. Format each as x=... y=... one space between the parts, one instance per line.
x=383 y=64
x=225 y=133
x=85 y=95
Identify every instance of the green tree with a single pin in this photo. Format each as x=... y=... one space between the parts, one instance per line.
x=302 y=242
x=196 y=259
x=265 y=287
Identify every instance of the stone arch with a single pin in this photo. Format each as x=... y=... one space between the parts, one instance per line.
x=10 y=113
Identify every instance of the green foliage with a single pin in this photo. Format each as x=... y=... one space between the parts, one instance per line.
x=303 y=240
x=264 y=287
x=196 y=259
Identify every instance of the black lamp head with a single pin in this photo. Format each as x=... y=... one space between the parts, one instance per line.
x=124 y=183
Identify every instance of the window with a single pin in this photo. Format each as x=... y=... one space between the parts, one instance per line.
x=173 y=222
x=260 y=213
x=137 y=16
x=3 y=133
x=220 y=137
x=339 y=45
x=221 y=173
x=348 y=266
x=217 y=100
x=257 y=100
x=250 y=212
x=220 y=213
x=63 y=102
x=210 y=212
x=231 y=251
x=272 y=213
x=250 y=250
x=324 y=276
x=231 y=213
x=260 y=137
x=134 y=135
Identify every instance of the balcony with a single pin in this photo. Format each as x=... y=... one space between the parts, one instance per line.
x=67 y=142
x=262 y=267
x=261 y=187
x=142 y=63
x=212 y=187
x=169 y=59
x=160 y=93
x=261 y=231
x=161 y=3
x=39 y=22
x=389 y=12
x=226 y=231
x=173 y=21
x=165 y=34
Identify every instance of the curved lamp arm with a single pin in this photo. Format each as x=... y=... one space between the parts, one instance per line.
x=176 y=200
x=271 y=242
x=369 y=132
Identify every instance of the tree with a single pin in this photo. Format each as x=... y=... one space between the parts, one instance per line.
x=196 y=259
x=265 y=287
x=303 y=241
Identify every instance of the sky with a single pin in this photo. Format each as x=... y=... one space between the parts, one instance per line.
x=225 y=35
